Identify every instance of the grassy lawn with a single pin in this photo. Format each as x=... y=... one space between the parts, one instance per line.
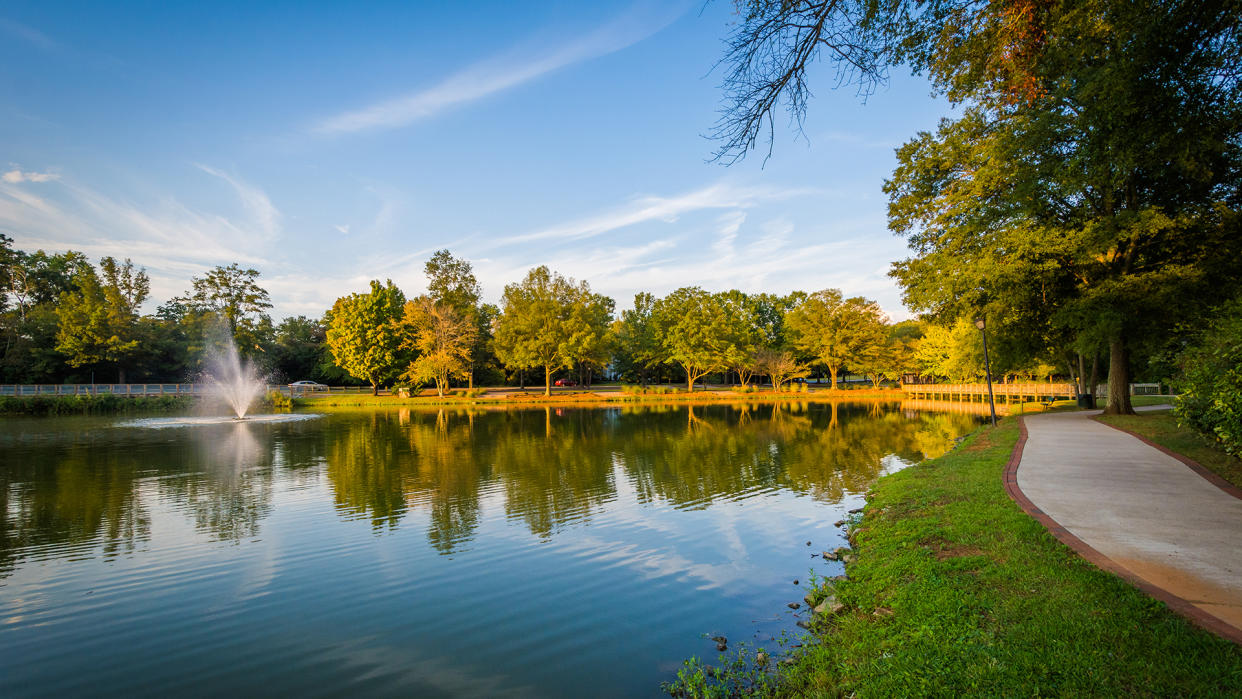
x=1162 y=428
x=1139 y=401
x=956 y=591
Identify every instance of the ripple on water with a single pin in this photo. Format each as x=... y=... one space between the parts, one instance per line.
x=163 y=422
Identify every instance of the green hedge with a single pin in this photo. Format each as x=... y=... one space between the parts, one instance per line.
x=1211 y=401
x=82 y=404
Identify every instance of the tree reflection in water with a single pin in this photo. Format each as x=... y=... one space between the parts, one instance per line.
x=553 y=467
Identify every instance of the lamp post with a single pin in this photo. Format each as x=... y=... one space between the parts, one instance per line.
x=987 y=365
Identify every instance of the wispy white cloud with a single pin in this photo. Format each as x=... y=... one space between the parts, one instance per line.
x=342 y=228
x=730 y=223
x=653 y=208
x=721 y=236
x=255 y=200
x=172 y=240
x=28 y=34
x=502 y=73
x=17 y=176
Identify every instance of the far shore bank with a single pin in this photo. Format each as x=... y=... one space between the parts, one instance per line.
x=529 y=397
x=509 y=397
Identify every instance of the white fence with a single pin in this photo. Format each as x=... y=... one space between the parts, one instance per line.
x=154 y=389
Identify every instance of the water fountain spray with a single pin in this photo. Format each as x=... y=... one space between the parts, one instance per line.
x=235 y=381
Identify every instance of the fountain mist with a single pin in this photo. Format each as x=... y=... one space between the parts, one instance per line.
x=233 y=380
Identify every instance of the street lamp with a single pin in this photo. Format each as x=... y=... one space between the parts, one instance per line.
x=987 y=365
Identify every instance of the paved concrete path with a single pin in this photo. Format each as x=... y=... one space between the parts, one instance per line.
x=1150 y=516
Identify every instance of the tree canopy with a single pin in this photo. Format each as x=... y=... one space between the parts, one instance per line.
x=552 y=322
x=366 y=335
x=99 y=320
x=693 y=330
x=442 y=339
x=1087 y=195
x=834 y=330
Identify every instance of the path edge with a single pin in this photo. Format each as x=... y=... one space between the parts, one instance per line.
x=1178 y=604
x=1208 y=475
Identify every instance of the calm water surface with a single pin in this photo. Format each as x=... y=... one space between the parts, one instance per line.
x=558 y=552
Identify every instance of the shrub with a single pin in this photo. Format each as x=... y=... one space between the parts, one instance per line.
x=1211 y=377
x=635 y=390
x=276 y=399
x=80 y=404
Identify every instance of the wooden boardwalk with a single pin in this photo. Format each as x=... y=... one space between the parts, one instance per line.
x=1004 y=392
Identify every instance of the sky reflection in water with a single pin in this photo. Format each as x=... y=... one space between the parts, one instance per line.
x=442 y=552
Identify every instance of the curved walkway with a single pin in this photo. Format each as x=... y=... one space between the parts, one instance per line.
x=1136 y=510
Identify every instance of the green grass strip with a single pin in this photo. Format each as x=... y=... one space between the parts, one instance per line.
x=957 y=592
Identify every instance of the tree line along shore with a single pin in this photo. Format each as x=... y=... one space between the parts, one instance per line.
x=65 y=319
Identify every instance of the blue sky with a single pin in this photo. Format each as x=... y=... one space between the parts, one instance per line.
x=326 y=145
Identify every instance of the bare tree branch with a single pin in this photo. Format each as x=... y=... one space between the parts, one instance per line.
x=774 y=44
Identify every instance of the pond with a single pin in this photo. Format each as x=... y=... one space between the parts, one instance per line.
x=541 y=552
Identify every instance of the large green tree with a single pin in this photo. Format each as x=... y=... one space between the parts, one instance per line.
x=835 y=330
x=638 y=343
x=442 y=339
x=451 y=282
x=551 y=322
x=693 y=329
x=366 y=335
x=1097 y=197
x=298 y=348
x=953 y=352
x=9 y=265
x=233 y=295
x=743 y=325
x=590 y=345
x=33 y=286
x=99 y=320
x=1090 y=190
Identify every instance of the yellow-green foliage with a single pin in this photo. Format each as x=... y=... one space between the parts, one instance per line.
x=276 y=399
x=365 y=335
x=647 y=390
x=1212 y=373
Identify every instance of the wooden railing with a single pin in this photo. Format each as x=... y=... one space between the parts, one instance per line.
x=975 y=391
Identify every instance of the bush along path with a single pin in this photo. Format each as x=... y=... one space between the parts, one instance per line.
x=953 y=590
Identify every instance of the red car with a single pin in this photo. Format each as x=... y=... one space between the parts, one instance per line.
x=564 y=382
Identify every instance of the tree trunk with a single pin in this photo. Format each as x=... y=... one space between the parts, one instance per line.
x=1118 y=379
x=1082 y=375
x=470 y=378
x=374 y=389
x=522 y=379
x=120 y=374
x=547 y=379
x=832 y=370
x=1095 y=371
